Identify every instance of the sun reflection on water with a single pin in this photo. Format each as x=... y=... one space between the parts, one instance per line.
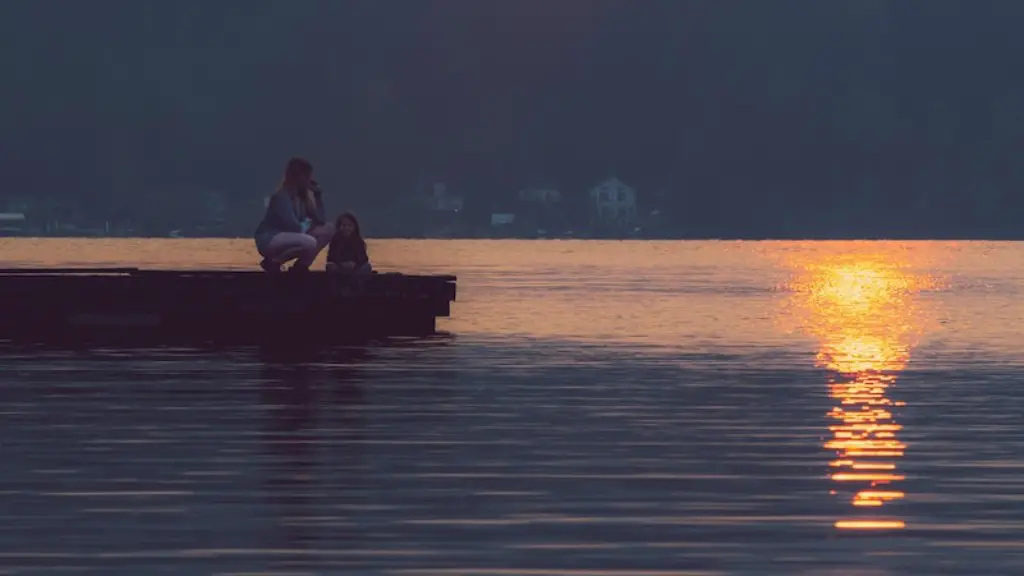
x=866 y=313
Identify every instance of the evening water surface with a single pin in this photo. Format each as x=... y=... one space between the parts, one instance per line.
x=616 y=408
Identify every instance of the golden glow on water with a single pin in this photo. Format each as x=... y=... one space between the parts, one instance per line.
x=870 y=524
x=865 y=311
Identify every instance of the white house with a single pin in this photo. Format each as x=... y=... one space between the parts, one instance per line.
x=614 y=202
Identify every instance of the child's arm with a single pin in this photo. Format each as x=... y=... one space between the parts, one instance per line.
x=362 y=257
x=333 y=250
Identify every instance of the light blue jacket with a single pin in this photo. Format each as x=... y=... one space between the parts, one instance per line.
x=284 y=214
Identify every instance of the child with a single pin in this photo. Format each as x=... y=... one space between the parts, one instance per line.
x=347 y=252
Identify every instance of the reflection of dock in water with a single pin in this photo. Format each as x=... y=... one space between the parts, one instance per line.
x=864 y=312
x=314 y=465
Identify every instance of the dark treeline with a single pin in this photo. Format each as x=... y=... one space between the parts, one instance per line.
x=782 y=117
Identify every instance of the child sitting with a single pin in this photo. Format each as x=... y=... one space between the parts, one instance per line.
x=347 y=251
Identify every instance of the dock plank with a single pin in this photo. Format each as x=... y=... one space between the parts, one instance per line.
x=223 y=305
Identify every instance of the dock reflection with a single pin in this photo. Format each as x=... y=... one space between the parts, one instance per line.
x=312 y=436
x=866 y=313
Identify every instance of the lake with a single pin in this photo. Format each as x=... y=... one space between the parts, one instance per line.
x=602 y=408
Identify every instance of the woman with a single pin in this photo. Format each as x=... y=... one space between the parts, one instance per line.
x=348 y=249
x=294 y=225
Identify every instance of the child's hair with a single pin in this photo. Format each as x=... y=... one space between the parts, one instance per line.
x=357 y=233
x=351 y=218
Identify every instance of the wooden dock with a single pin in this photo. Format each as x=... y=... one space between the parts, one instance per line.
x=185 y=307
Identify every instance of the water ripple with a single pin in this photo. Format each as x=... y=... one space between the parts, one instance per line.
x=833 y=411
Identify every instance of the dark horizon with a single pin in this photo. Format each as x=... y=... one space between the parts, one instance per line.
x=781 y=119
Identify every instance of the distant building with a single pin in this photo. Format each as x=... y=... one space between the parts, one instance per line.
x=541 y=209
x=12 y=223
x=540 y=195
x=442 y=211
x=503 y=225
x=502 y=219
x=614 y=203
x=19 y=205
x=440 y=199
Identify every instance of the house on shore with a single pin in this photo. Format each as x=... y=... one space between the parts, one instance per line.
x=613 y=206
x=443 y=210
x=541 y=209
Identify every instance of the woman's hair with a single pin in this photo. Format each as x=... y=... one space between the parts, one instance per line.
x=298 y=169
x=357 y=234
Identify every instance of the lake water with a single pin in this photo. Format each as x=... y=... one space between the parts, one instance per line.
x=601 y=408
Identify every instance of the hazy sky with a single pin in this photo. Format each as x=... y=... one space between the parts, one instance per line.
x=902 y=113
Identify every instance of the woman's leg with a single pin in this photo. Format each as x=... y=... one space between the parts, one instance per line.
x=287 y=245
x=321 y=237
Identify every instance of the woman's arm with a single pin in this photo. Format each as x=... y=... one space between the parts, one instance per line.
x=333 y=251
x=319 y=216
